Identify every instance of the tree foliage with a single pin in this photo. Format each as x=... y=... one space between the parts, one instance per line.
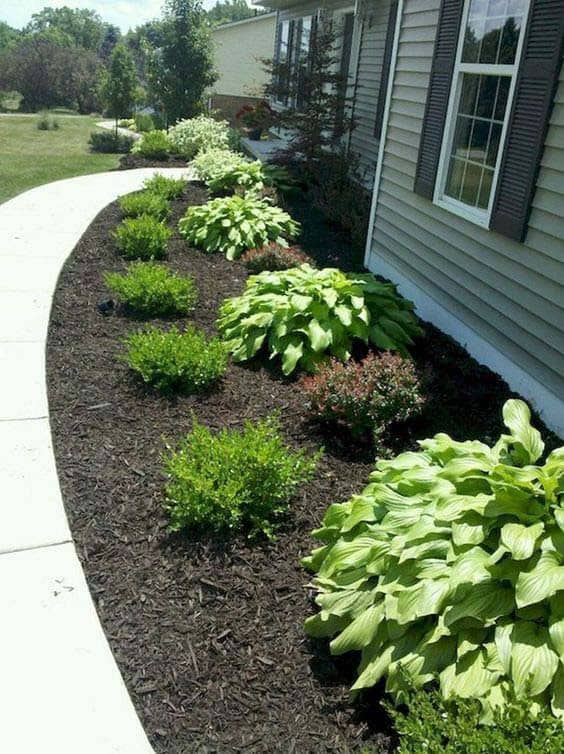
x=80 y=26
x=180 y=69
x=227 y=11
x=119 y=83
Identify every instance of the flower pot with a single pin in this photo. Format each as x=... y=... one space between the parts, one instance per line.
x=255 y=133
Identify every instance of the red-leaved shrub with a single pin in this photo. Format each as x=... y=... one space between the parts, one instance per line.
x=365 y=396
x=273 y=256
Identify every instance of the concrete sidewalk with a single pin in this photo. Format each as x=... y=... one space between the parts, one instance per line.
x=61 y=691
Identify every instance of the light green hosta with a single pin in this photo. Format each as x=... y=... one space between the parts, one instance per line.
x=303 y=314
x=214 y=163
x=235 y=224
x=246 y=176
x=450 y=564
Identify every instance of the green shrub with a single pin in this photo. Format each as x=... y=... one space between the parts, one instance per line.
x=143 y=122
x=174 y=361
x=153 y=145
x=273 y=256
x=215 y=162
x=109 y=142
x=304 y=314
x=432 y=725
x=47 y=122
x=153 y=290
x=169 y=188
x=249 y=176
x=10 y=101
x=199 y=135
x=234 y=224
x=366 y=396
x=144 y=203
x=142 y=238
x=232 y=479
x=449 y=565
x=127 y=123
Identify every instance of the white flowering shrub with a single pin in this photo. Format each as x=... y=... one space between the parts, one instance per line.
x=199 y=134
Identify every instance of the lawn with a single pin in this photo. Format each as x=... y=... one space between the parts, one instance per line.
x=30 y=157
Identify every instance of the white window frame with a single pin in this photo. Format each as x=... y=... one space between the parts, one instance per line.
x=474 y=214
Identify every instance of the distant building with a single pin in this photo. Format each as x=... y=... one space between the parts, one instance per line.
x=240 y=45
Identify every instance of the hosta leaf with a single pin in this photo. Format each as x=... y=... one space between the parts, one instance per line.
x=485 y=602
x=556 y=632
x=425 y=598
x=469 y=677
x=319 y=627
x=347 y=554
x=320 y=336
x=504 y=644
x=541 y=582
x=533 y=662
x=521 y=540
x=290 y=357
x=528 y=443
x=468 y=531
x=360 y=632
x=557 y=697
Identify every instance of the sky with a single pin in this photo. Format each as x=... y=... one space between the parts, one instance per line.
x=122 y=13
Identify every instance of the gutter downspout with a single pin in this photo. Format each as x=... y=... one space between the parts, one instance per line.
x=384 y=134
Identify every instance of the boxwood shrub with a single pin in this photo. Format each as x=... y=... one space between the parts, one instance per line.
x=168 y=188
x=176 y=361
x=233 y=479
x=153 y=145
x=152 y=290
x=142 y=237
x=144 y=203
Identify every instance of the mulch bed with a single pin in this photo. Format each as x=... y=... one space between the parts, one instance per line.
x=208 y=634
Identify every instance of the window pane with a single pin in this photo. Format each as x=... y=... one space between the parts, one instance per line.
x=454 y=180
x=485 y=189
x=492 y=31
x=476 y=140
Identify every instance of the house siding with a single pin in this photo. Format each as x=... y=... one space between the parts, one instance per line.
x=509 y=293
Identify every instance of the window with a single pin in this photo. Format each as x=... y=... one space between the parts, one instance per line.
x=294 y=38
x=484 y=77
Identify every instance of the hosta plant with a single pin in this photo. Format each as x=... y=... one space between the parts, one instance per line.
x=450 y=566
x=233 y=224
x=168 y=188
x=215 y=162
x=152 y=290
x=198 y=135
x=144 y=203
x=304 y=314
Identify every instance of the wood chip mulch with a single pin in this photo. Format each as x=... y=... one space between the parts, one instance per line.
x=208 y=635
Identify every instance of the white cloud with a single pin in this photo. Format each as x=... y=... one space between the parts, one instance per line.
x=123 y=13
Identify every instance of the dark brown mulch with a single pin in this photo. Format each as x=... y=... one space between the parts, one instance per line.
x=208 y=635
x=130 y=161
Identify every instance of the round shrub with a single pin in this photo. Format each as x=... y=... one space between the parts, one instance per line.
x=174 y=361
x=144 y=203
x=303 y=315
x=199 y=135
x=108 y=142
x=449 y=567
x=153 y=145
x=233 y=224
x=168 y=188
x=233 y=479
x=142 y=238
x=152 y=290
x=366 y=396
x=274 y=256
x=214 y=162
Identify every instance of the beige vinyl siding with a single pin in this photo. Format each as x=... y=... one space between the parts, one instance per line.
x=373 y=22
x=509 y=293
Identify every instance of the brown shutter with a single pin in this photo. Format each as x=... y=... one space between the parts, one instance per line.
x=530 y=114
x=385 y=76
x=446 y=42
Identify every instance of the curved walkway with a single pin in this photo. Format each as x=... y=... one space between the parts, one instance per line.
x=60 y=689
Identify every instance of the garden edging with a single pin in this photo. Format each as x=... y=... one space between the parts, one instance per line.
x=61 y=689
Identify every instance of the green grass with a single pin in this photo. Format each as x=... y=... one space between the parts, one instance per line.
x=30 y=157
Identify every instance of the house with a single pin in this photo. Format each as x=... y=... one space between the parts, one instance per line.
x=239 y=48
x=459 y=106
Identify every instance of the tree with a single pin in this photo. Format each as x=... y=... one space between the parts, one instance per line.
x=180 y=69
x=110 y=38
x=48 y=73
x=226 y=11
x=8 y=36
x=119 y=83
x=314 y=92
x=82 y=27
